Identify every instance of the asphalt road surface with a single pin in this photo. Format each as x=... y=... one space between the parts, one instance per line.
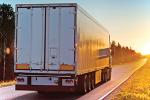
x=120 y=73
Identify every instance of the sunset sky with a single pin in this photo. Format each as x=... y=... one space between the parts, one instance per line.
x=128 y=21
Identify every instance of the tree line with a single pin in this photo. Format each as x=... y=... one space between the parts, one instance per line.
x=122 y=54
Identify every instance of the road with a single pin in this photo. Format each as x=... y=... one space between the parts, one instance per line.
x=120 y=73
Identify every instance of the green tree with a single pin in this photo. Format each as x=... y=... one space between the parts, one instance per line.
x=113 y=46
x=7 y=23
x=7 y=27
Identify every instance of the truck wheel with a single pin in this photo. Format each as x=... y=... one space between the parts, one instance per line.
x=92 y=80
x=106 y=74
x=103 y=75
x=82 y=86
x=85 y=84
x=109 y=74
x=89 y=81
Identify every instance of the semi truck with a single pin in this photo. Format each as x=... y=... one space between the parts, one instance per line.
x=59 y=47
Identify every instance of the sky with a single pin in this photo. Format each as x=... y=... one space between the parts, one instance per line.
x=128 y=21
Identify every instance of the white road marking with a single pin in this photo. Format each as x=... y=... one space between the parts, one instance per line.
x=101 y=98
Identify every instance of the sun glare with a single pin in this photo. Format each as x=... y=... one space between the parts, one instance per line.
x=146 y=49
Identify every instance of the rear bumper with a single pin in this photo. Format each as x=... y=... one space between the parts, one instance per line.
x=46 y=88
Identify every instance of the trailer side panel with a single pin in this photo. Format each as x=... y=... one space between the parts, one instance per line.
x=92 y=44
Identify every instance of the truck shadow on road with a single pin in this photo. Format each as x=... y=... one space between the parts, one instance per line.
x=49 y=96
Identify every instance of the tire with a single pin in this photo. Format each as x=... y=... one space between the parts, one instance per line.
x=106 y=75
x=89 y=82
x=109 y=74
x=85 y=84
x=93 y=80
x=82 y=86
x=103 y=75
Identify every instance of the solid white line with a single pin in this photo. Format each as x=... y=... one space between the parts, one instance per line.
x=101 y=98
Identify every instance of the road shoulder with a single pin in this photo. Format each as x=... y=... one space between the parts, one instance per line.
x=136 y=87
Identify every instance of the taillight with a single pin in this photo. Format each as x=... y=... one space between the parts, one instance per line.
x=22 y=66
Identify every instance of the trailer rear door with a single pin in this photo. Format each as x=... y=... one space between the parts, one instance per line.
x=60 y=36
x=30 y=38
x=45 y=37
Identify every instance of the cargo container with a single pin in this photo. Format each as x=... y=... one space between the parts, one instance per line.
x=59 y=47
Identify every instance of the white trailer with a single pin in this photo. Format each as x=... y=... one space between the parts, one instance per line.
x=59 y=47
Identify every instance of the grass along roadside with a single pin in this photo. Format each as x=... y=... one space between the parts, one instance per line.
x=137 y=87
x=7 y=83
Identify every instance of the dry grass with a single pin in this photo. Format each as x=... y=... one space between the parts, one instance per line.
x=7 y=83
x=137 y=87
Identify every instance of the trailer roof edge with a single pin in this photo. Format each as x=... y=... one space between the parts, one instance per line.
x=48 y=4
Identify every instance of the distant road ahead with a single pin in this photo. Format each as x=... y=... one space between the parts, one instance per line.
x=119 y=74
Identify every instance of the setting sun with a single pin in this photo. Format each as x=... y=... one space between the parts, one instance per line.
x=145 y=49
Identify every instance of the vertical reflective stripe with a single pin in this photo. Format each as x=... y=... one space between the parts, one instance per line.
x=48 y=32
x=45 y=41
x=42 y=9
x=59 y=33
x=30 y=54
